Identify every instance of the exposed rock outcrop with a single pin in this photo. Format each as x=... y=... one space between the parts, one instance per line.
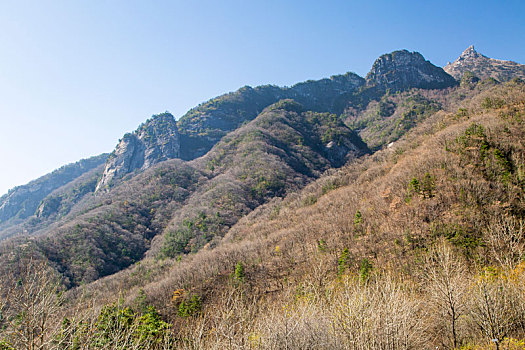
x=154 y=141
x=484 y=67
x=402 y=70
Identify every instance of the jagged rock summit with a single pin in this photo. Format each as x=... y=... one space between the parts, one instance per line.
x=154 y=141
x=402 y=69
x=484 y=67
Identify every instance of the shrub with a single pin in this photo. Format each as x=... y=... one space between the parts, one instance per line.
x=343 y=261
x=190 y=307
x=428 y=186
x=414 y=186
x=358 y=218
x=239 y=272
x=492 y=103
x=364 y=270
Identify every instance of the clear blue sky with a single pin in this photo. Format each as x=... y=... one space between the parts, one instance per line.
x=75 y=75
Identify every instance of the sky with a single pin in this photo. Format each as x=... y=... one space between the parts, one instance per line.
x=75 y=75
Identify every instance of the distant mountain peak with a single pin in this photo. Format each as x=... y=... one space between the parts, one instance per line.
x=484 y=67
x=470 y=53
x=403 y=69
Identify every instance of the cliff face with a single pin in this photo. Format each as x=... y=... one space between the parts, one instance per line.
x=484 y=67
x=401 y=70
x=155 y=141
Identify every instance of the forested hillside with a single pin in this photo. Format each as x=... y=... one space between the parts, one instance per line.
x=418 y=246
x=377 y=213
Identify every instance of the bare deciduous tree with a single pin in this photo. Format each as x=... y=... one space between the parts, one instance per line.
x=505 y=241
x=380 y=314
x=445 y=281
x=494 y=307
x=31 y=302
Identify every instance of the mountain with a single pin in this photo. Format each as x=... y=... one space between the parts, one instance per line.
x=288 y=217
x=175 y=207
x=401 y=70
x=204 y=125
x=161 y=138
x=378 y=239
x=484 y=67
x=401 y=90
x=22 y=202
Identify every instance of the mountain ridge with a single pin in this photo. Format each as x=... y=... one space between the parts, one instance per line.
x=195 y=133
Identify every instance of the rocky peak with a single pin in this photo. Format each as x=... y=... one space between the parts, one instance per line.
x=470 y=53
x=402 y=70
x=154 y=141
x=484 y=67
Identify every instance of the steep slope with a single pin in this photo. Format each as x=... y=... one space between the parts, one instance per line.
x=281 y=150
x=110 y=231
x=59 y=202
x=21 y=202
x=154 y=141
x=385 y=121
x=484 y=67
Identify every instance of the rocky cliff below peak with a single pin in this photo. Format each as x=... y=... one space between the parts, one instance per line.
x=154 y=141
x=484 y=67
x=402 y=70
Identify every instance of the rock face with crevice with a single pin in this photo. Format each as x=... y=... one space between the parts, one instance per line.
x=484 y=67
x=402 y=70
x=154 y=141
